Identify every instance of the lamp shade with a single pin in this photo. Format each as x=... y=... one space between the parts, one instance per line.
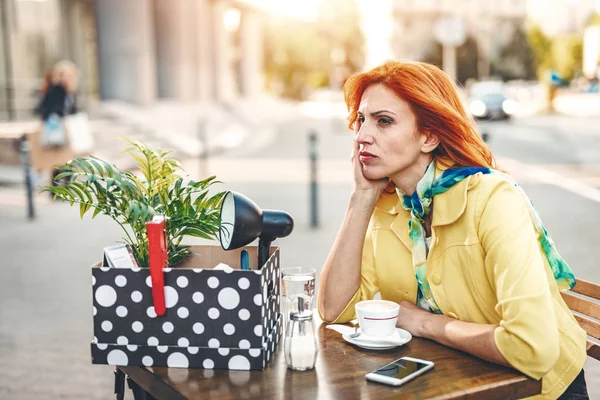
x=241 y=221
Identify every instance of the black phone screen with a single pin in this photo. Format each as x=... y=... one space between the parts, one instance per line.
x=400 y=369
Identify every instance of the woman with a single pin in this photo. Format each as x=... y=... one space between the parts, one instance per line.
x=433 y=226
x=60 y=96
x=58 y=100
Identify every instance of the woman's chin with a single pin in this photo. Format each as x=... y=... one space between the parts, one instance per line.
x=373 y=174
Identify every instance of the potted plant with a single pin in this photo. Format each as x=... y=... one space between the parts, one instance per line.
x=214 y=318
x=132 y=201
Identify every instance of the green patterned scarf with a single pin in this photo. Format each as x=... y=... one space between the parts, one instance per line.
x=419 y=205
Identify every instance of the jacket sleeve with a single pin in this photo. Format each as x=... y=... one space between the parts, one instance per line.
x=527 y=335
x=368 y=281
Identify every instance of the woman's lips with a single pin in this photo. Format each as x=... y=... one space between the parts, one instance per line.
x=366 y=157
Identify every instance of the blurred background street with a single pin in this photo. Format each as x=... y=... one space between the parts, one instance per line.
x=236 y=88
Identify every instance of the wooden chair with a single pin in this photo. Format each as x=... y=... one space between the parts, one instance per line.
x=585 y=310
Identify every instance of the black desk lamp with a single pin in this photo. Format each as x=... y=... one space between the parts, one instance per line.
x=242 y=221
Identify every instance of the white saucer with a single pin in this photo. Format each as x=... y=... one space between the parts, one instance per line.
x=399 y=337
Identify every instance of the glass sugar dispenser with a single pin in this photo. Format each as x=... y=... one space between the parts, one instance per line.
x=301 y=345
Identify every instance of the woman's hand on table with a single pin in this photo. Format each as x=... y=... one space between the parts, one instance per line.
x=472 y=338
x=413 y=318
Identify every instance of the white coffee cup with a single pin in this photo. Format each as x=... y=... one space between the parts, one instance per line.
x=377 y=318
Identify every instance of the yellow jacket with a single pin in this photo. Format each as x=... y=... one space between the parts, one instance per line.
x=485 y=265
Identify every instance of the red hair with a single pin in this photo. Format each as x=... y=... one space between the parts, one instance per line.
x=438 y=109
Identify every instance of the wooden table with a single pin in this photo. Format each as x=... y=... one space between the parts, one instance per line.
x=340 y=374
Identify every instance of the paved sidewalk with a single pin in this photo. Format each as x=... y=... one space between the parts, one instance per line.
x=189 y=129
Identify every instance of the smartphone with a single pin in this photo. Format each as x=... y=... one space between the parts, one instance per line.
x=400 y=371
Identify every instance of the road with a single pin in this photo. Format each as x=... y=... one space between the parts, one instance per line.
x=45 y=296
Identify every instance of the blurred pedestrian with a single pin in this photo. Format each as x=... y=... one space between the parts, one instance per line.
x=50 y=144
x=434 y=225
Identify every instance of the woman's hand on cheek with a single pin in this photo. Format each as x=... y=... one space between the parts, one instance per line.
x=413 y=318
x=361 y=183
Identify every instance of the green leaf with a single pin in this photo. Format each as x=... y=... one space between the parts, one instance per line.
x=97 y=211
x=109 y=171
x=83 y=208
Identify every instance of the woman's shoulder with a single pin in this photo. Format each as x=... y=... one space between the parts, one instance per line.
x=496 y=189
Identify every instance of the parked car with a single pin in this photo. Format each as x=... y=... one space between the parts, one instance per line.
x=488 y=101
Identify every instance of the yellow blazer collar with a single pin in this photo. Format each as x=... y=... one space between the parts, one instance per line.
x=447 y=207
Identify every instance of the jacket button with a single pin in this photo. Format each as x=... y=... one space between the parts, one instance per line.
x=436 y=279
x=452 y=315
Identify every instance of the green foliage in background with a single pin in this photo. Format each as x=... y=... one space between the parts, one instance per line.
x=298 y=54
x=132 y=202
x=564 y=53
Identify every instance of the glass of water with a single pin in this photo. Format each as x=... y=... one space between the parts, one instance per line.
x=297 y=282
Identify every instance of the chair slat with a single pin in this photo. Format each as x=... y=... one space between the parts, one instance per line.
x=587 y=288
x=589 y=325
x=593 y=350
x=581 y=305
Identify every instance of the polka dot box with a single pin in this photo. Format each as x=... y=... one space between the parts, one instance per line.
x=222 y=319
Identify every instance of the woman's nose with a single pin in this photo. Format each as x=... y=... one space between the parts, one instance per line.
x=364 y=134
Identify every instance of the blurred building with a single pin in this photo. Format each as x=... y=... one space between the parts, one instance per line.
x=490 y=25
x=132 y=50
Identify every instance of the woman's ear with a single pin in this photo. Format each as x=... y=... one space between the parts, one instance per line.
x=430 y=142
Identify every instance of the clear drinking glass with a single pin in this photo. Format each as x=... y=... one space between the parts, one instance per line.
x=297 y=282
x=300 y=342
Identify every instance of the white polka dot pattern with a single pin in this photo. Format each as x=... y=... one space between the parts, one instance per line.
x=229 y=298
x=239 y=362
x=120 y=281
x=106 y=296
x=107 y=326
x=198 y=297
x=171 y=297
x=224 y=351
x=211 y=315
x=213 y=282
x=229 y=329
x=151 y=312
x=147 y=361
x=137 y=327
x=117 y=357
x=183 y=312
x=136 y=296
x=188 y=357
x=198 y=328
x=178 y=360
x=244 y=283
x=168 y=327
x=162 y=349
x=182 y=282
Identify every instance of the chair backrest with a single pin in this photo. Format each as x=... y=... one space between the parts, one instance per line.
x=586 y=309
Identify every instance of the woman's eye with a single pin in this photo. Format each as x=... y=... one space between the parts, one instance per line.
x=360 y=119
x=384 y=121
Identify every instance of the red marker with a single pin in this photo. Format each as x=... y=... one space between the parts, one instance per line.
x=158 y=254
